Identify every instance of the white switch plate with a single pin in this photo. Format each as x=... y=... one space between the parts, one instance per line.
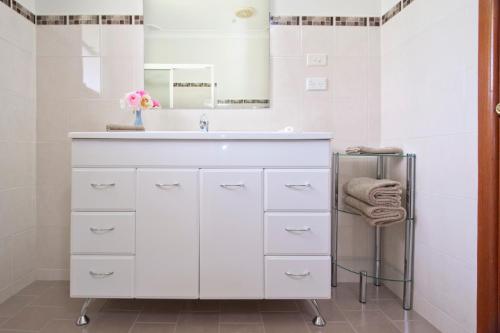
x=316 y=83
x=318 y=59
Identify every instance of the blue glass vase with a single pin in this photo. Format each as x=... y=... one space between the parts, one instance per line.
x=138 y=118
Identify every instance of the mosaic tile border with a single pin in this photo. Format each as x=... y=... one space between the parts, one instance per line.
x=317 y=20
x=345 y=21
x=243 y=101
x=6 y=2
x=116 y=19
x=374 y=21
x=139 y=19
x=406 y=3
x=395 y=10
x=83 y=19
x=284 y=20
x=193 y=85
x=23 y=11
x=51 y=20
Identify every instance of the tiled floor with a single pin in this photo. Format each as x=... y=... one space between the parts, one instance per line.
x=46 y=307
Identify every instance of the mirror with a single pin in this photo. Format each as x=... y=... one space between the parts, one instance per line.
x=207 y=54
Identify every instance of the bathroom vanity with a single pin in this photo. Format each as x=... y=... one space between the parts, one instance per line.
x=191 y=215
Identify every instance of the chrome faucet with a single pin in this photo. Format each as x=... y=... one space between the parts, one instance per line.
x=204 y=123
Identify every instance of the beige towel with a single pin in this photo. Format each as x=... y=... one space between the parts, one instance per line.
x=375 y=192
x=114 y=127
x=372 y=150
x=377 y=216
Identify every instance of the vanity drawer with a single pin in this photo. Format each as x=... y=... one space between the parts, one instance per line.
x=296 y=190
x=102 y=277
x=297 y=234
x=103 y=190
x=103 y=233
x=298 y=277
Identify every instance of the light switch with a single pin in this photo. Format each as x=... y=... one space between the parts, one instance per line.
x=316 y=83
x=319 y=59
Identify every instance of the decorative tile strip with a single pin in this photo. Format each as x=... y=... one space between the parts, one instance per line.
x=193 y=85
x=139 y=19
x=374 y=21
x=406 y=3
x=83 y=19
x=391 y=13
x=51 y=20
x=351 y=21
x=5 y=2
x=243 y=101
x=317 y=20
x=116 y=19
x=284 y=20
x=23 y=11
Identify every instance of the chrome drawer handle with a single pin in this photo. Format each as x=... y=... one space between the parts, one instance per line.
x=102 y=186
x=101 y=230
x=304 y=229
x=163 y=186
x=297 y=275
x=298 y=186
x=228 y=186
x=101 y=275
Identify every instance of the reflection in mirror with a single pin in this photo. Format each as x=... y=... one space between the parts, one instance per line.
x=204 y=54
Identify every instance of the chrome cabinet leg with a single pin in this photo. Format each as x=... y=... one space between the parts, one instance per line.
x=409 y=232
x=318 y=320
x=378 y=256
x=83 y=319
x=363 y=281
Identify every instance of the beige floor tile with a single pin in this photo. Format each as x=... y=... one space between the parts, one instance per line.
x=278 y=306
x=201 y=306
x=37 y=288
x=284 y=322
x=63 y=326
x=14 y=304
x=198 y=322
x=377 y=327
x=331 y=328
x=362 y=317
x=32 y=318
x=415 y=327
x=373 y=292
x=153 y=328
x=241 y=328
x=112 y=322
x=240 y=312
x=394 y=310
x=160 y=311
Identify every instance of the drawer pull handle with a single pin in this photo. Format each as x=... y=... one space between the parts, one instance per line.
x=101 y=275
x=163 y=186
x=101 y=230
x=102 y=186
x=304 y=229
x=297 y=275
x=229 y=186
x=298 y=186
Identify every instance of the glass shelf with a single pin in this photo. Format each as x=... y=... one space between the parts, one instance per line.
x=358 y=265
x=374 y=155
x=348 y=211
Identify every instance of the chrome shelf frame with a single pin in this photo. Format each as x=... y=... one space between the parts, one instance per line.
x=377 y=275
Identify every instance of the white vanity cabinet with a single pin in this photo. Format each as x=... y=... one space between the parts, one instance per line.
x=201 y=215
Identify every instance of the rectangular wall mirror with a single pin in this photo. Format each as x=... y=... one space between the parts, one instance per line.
x=207 y=54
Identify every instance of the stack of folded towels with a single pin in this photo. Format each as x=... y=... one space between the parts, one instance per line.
x=377 y=200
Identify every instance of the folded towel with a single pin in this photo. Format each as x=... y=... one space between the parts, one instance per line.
x=375 y=192
x=114 y=127
x=372 y=150
x=377 y=216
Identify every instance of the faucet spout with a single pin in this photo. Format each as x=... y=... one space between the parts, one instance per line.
x=204 y=123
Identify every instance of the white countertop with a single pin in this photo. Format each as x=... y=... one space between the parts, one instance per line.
x=197 y=135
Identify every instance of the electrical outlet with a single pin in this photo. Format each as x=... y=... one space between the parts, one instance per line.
x=316 y=83
x=319 y=59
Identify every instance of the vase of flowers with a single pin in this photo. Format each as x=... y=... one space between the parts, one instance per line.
x=139 y=101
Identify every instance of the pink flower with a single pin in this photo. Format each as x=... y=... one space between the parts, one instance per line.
x=142 y=93
x=156 y=104
x=133 y=100
x=146 y=102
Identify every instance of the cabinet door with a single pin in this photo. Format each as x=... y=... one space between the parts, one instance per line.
x=167 y=234
x=231 y=256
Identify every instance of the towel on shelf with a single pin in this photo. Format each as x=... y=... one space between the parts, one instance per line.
x=377 y=216
x=372 y=150
x=375 y=192
x=117 y=128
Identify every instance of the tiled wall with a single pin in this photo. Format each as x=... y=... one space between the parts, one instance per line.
x=429 y=106
x=17 y=151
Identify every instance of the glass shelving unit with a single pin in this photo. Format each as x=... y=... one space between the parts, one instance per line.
x=375 y=268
